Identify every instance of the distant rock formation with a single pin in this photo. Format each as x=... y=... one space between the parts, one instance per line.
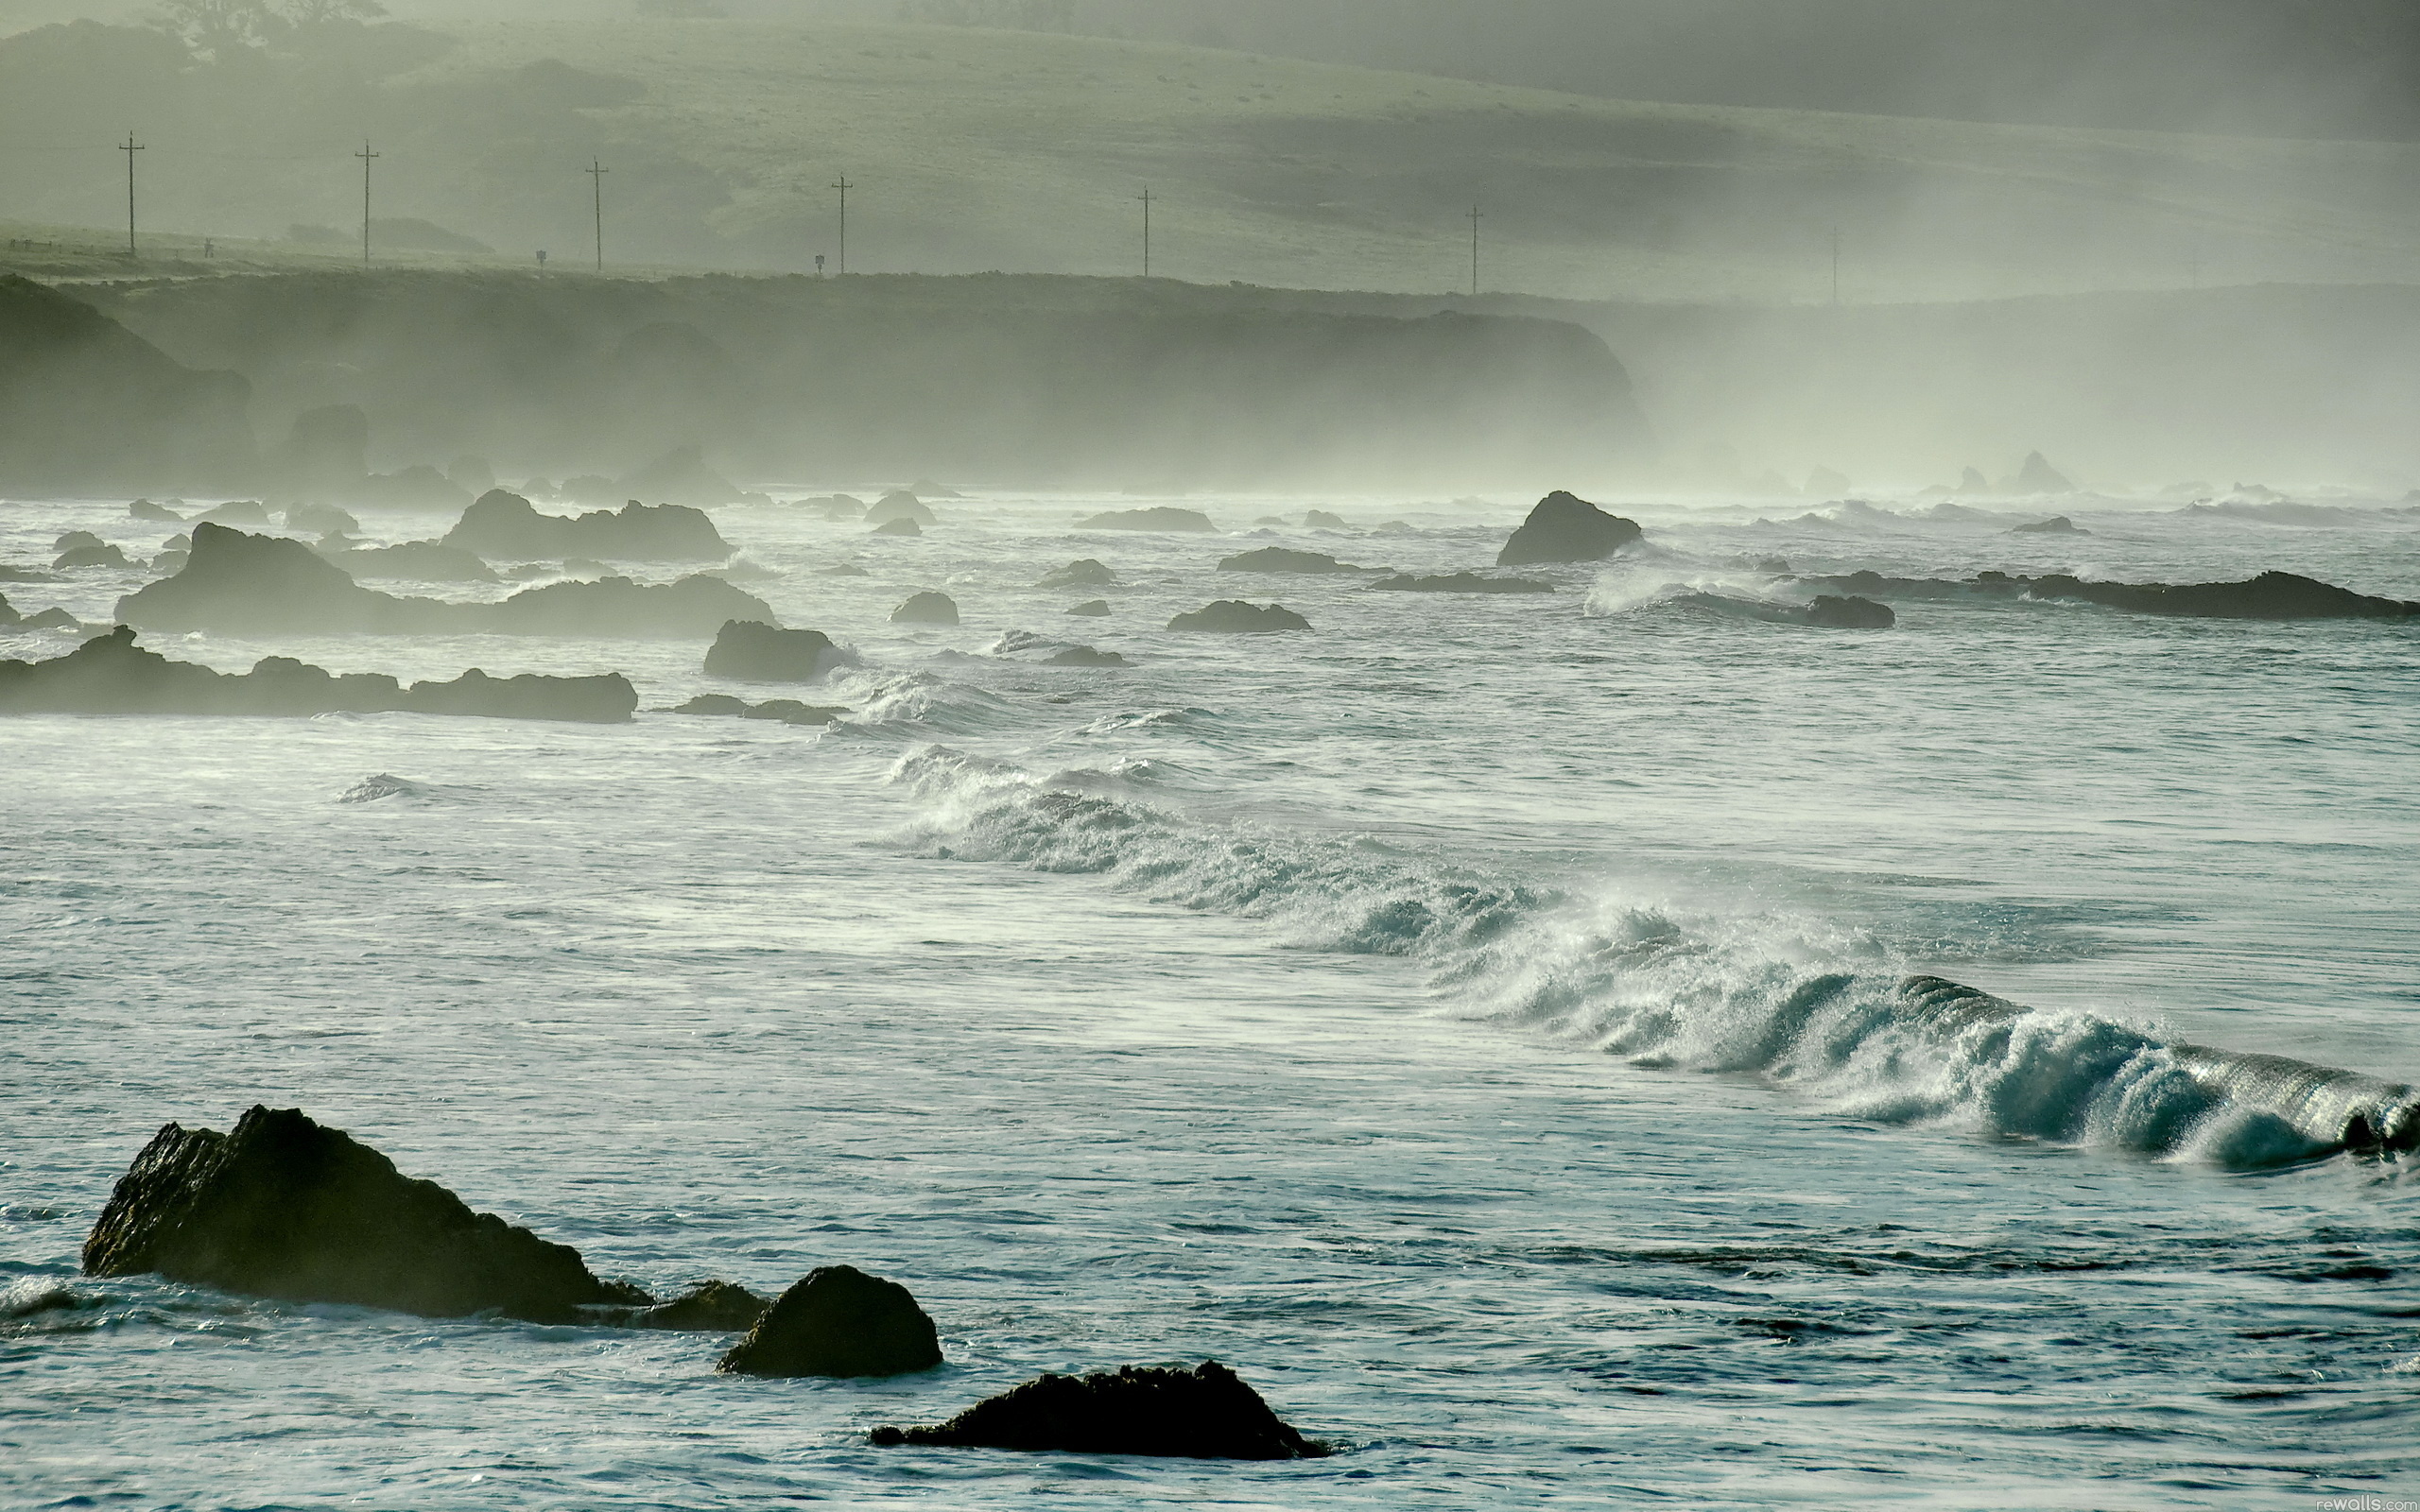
x=927 y=488
x=1280 y=559
x=750 y=651
x=835 y=506
x=838 y=1321
x=284 y=1207
x=97 y=554
x=680 y=477
x=236 y=583
x=1322 y=520
x=899 y=505
x=1461 y=583
x=1162 y=517
x=1086 y=573
x=1564 y=528
x=49 y=619
x=502 y=525
x=1232 y=616
x=1084 y=655
x=111 y=675
x=424 y=561
x=145 y=509
x=1972 y=481
x=899 y=525
x=2058 y=525
x=2269 y=597
x=1092 y=608
x=927 y=609
x=2037 y=476
x=779 y=710
x=1206 y=1413
x=238 y=512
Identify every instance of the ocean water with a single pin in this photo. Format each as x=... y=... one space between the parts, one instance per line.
x=1476 y=1020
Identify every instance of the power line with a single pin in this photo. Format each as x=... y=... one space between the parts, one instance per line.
x=597 y=172
x=367 y=157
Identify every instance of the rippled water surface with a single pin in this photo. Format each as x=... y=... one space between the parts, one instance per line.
x=1475 y=1020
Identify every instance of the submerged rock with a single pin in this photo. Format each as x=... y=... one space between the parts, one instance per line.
x=2269 y=597
x=897 y=525
x=927 y=609
x=780 y=711
x=99 y=555
x=846 y=569
x=111 y=675
x=1280 y=559
x=899 y=505
x=284 y=1207
x=1322 y=520
x=506 y=525
x=1461 y=583
x=2058 y=525
x=750 y=651
x=1565 y=528
x=1086 y=573
x=838 y=1321
x=1205 y=1412
x=1163 y=516
x=1232 y=616
x=1849 y=614
x=1091 y=609
x=1084 y=655
x=716 y=1307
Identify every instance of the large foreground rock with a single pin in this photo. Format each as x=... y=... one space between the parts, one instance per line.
x=838 y=1321
x=750 y=651
x=111 y=675
x=1162 y=517
x=1208 y=1412
x=1232 y=616
x=284 y=1207
x=1565 y=528
x=506 y=526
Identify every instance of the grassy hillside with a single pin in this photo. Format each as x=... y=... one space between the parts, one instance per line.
x=978 y=150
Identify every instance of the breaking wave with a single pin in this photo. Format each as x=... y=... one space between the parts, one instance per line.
x=1795 y=1003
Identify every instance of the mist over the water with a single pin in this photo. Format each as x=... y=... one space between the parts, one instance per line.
x=1361 y=753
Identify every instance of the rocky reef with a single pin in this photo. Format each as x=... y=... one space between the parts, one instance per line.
x=506 y=526
x=1205 y=1412
x=1232 y=616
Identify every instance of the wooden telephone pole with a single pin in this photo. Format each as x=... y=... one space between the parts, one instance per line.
x=597 y=172
x=367 y=158
x=844 y=187
x=1474 y=218
x=131 y=149
x=1147 y=197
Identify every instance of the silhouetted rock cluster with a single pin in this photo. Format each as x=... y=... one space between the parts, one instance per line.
x=1281 y=560
x=750 y=651
x=1461 y=583
x=838 y=1321
x=1232 y=616
x=780 y=711
x=2269 y=597
x=1085 y=656
x=236 y=583
x=1205 y=1412
x=49 y=619
x=111 y=675
x=1565 y=528
x=145 y=509
x=1160 y=517
x=502 y=525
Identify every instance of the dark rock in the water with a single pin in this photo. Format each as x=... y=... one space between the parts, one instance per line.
x=77 y=540
x=927 y=609
x=506 y=525
x=321 y=520
x=237 y=584
x=900 y=526
x=1084 y=655
x=780 y=710
x=421 y=561
x=835 y=506
x=53 y=618
x=2058 y=525
x=838 y=1321
x=1564 y=528
x=285 y=1207
x=101 y=555
x=1463 y=583
x=846 y=569
x=1322 y=520
x=927 y=488
x=1092 y=608
x=678 y=477
x=1232 y=616
x=2269 y=597
x=2038 y=476
x=23 y=574
x=1280 y=559
x=1083 y=574
x=238 y=512
x=1206 y=1413
x=1163 y=516
x=145 y=509
x=899 y=505
x=748 y=651
x=716 y=1307
x=1850 y=614
x=111 y=675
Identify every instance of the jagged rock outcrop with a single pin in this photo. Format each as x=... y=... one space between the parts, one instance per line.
x=1281 y=560
x=750 y=651
x=1160 y=517
x=838 y=1321
x=1084 y=572
x=1461 y=583
x=1232 y=616
x=899 y=505
x=780 y=710
x=2038 y=476
x=927 y=609
x=502 y=525
x=111 y=675
x=1205 y=1412
x=284 y=1207
x=236 y=583
x=1565 y=528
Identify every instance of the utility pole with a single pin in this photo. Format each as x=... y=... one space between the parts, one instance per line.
x=132 y=147
x=844 y=187
x=597 y=172
x=1147 y=197
x=1836 y=264
x=1474 y=218
x=367 y=157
